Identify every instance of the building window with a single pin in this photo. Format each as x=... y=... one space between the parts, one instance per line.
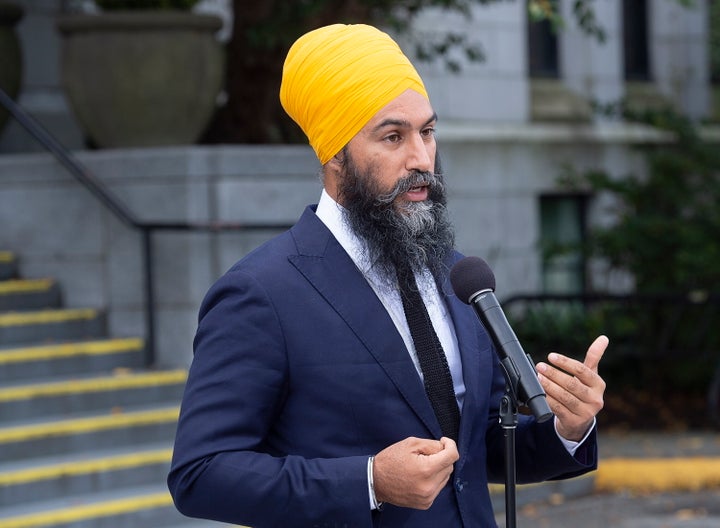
x=542 y=41
x=562 y=231
x=636 y=53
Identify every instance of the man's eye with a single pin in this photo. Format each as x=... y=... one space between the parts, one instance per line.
x=393 y=138
x=428 y=132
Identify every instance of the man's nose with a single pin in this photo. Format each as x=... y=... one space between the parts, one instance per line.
x=420 y=156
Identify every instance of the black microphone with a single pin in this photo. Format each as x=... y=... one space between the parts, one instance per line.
x=474 y=283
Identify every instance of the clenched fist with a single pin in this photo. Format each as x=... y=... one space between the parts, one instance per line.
x=412 y=472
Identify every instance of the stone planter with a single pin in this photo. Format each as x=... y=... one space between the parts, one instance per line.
x=141 y=78
x=10 y=54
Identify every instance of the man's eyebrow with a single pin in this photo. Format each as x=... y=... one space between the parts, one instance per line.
x=403 y=123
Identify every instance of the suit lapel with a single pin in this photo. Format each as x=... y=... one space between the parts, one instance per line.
x=468 y=345
x=325 y=264
x=477 y=372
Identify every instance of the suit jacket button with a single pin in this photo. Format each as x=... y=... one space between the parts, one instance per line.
x=459 y=485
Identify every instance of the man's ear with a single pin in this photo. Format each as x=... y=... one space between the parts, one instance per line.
x=338 y=160
x=331 y=174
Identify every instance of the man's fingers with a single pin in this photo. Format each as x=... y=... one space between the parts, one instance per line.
x=412 y=472
x=574 y=389
x=423 y=446
x=576 y=368
x=449 y=452
x=573 y=377
x=595 y=352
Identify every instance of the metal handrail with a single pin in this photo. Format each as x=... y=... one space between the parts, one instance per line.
x=88 y=180
x=691 y=297
x=676 y=302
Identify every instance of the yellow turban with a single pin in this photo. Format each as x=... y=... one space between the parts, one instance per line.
x=336 y=78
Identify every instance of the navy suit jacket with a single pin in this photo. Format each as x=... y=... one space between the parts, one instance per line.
x=299 y=375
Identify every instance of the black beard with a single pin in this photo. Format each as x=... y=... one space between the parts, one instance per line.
x=401 y=237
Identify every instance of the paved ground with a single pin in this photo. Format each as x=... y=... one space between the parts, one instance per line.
x=668 y=445
x=669 y=480
x=689 y=509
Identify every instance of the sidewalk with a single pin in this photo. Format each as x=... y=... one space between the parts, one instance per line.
x=659 y=462
x=643 y=480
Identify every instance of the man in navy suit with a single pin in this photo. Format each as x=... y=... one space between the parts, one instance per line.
x=307 y=402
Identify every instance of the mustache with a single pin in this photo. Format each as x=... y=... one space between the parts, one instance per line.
x=413 y=179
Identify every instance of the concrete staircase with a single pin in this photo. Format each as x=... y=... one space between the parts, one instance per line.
x=85 y=430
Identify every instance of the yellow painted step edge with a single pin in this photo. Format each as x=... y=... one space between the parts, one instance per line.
x=7 y=256
x=64 y=350
x=88 y=511
x=91 y=385
x=47 y=316
x=25 y=286
x=26 y=433
x=658 y=474
x=647 y=475
x=85 y=467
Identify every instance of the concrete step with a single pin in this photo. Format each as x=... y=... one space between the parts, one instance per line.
x=88 y=432
x=121 y=389
x=8 y=265
x=199 y=523
x=139 y=507
x=59 y=477
x=51 y=325
x=77 y=358
x=29 y=294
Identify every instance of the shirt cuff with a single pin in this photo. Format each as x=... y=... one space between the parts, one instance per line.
x=570 y=445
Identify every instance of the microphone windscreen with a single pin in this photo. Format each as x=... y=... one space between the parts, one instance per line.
x=470 y=276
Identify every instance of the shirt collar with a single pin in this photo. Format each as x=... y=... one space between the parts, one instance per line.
x=332 y=214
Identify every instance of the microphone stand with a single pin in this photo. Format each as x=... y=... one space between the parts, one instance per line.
x=508 y=422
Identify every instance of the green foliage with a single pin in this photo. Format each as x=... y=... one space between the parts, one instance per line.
x=583 y=13
x=666 y=233
x=113 y=5
x=566 y=327
x=285 y=21
x=667 y=229
x=659 y=342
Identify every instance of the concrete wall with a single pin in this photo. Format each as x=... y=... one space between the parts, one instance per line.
x=589 y=67
x=494 y=90
x=494 y=177
x=679 y=54
x=499 y=90
x=60 y=230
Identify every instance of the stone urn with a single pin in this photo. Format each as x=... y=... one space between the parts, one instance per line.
x=141 y=78
x=10 y=54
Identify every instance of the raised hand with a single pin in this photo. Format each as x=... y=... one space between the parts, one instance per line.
x=574 y=389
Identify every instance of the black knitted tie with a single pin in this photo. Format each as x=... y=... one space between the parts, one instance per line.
x=433 y=363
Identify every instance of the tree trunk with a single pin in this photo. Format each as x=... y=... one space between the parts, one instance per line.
x=263 y=31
